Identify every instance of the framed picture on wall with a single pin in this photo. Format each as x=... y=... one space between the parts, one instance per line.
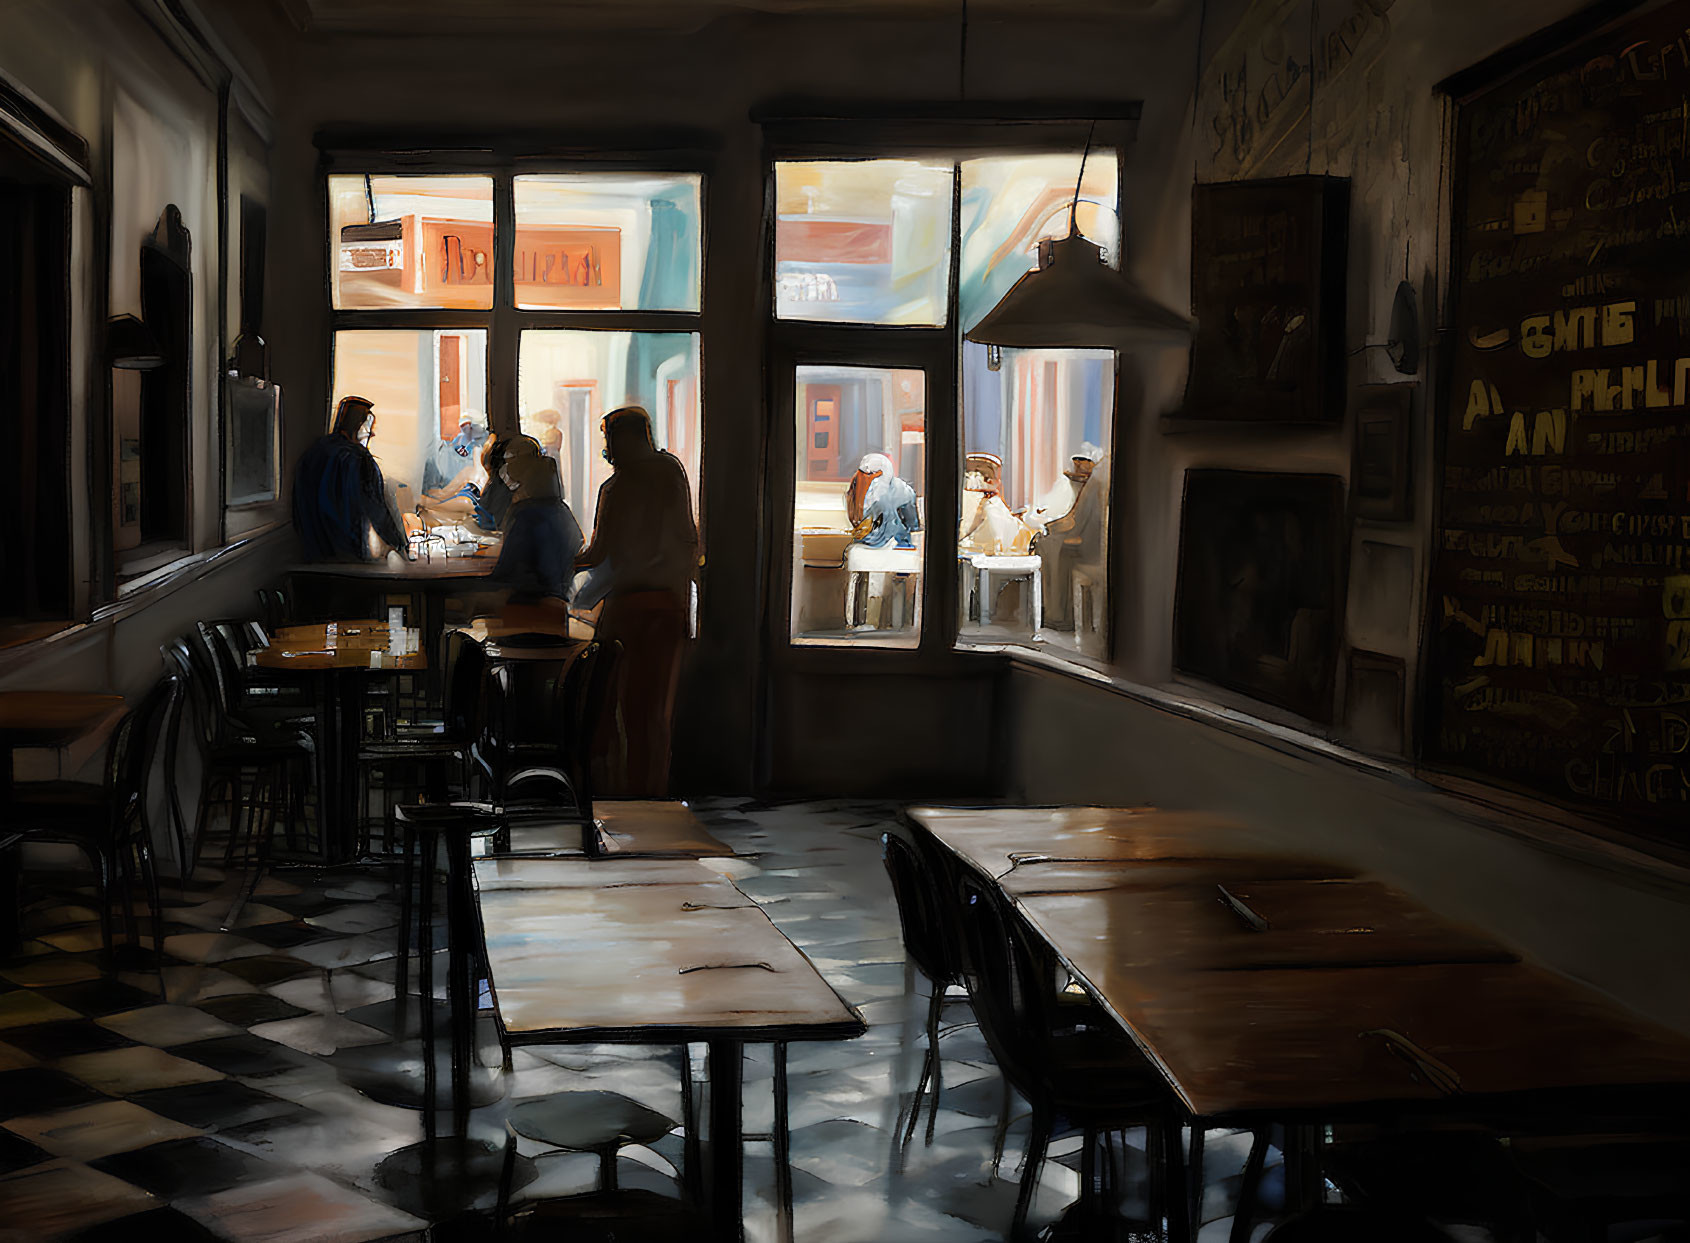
x=1375 y=702
x=1258 y=604
x=1267 y=287
x=1381 y=473
x=252 y=431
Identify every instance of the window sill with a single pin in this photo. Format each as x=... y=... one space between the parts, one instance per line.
x=1055 y=650
x=1542 y=824
x=142 y=564
x=17 y=634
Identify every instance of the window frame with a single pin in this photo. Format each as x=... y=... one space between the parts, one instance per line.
x=504 y=322
x=959 y=135
x=42 y=152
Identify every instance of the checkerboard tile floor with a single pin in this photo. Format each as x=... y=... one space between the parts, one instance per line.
x=219 y=1109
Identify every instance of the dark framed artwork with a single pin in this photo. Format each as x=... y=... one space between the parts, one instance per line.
x=1267 y=288
x=1375 y=702
x=252 y=439
x=1258 y=604
x=1381 y=472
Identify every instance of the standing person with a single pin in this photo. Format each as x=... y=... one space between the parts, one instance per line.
x=537 y=560
x=646 y=544
x=338 y=494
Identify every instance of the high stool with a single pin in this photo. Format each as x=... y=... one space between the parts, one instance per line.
x=443 y=1173
x=595 y=1122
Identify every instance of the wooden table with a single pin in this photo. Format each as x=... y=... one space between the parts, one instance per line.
x=634 y=828
x=40 y=719
x=340 y=588
x=1304 y=923
x=634 y=951
x=1304 y=1020
x=997 y=840
x=49 y=719
x=340 y=660
x=491 y=633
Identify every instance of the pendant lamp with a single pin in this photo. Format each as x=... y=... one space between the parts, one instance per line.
x=1073 y=300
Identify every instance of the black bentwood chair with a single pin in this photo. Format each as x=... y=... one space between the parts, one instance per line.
x=1095 y=1081
x=109 y=822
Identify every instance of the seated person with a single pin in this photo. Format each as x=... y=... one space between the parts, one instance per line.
x=450 y=458
x=482 y=499
x=887 y=512
x=988 y=526
x=884 y=514
x=542 y=539
x=543 y=425
x=1060 y=498
x=1073 y=540
x=340 y=506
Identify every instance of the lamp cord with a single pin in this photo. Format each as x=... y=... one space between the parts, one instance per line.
x=962 y=56
x=1074 y=207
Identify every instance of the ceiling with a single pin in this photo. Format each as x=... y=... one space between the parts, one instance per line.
x=388 y=17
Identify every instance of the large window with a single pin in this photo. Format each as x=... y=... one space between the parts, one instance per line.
x=879 y=258
x=604 y=276
x=34 y=364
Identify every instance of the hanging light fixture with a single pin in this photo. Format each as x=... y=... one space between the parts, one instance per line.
x=1073 y=300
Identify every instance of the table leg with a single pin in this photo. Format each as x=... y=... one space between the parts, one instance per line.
x=1038 y=600
x=727 y=1154
x=985 y=596
x=783 y=1149
x=342 y=726
x=460 y=917
x=689 y=1125
x=11 y=897
x=1305 y=1184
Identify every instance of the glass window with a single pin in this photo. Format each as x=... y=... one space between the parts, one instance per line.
x=569 y=379
x=863 y=241
x=411 y=241
x=1011 y=202
x=426 y=388
x=608 y=242
x=859 y=505
x=1035 y=500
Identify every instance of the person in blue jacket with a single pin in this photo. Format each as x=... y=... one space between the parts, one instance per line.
x=541 y=537
x=338 y=494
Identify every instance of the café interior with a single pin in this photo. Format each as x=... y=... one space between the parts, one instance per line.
x=1179 y=728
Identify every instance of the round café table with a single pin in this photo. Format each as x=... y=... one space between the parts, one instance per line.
x=338 y=655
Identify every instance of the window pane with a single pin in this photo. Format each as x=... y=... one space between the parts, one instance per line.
x=411 y=241
x=427 y=387
x=859 y=505
x=863 y=241
x=608 y=241
x=568 y=380
x=1035 y=501
x=1010 y=202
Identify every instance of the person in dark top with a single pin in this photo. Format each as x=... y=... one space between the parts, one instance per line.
x=537 y=560
x=645 y=545
x=338 y=493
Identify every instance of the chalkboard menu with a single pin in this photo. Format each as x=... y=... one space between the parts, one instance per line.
x=1560 y=594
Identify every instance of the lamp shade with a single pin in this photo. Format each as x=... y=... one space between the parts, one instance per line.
x=131 y=345
x=1073 y=300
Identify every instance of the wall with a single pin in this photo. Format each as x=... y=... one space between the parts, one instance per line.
x=709 y=80
x=1346 y=88
x=1613 y=923
x=82 y=62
